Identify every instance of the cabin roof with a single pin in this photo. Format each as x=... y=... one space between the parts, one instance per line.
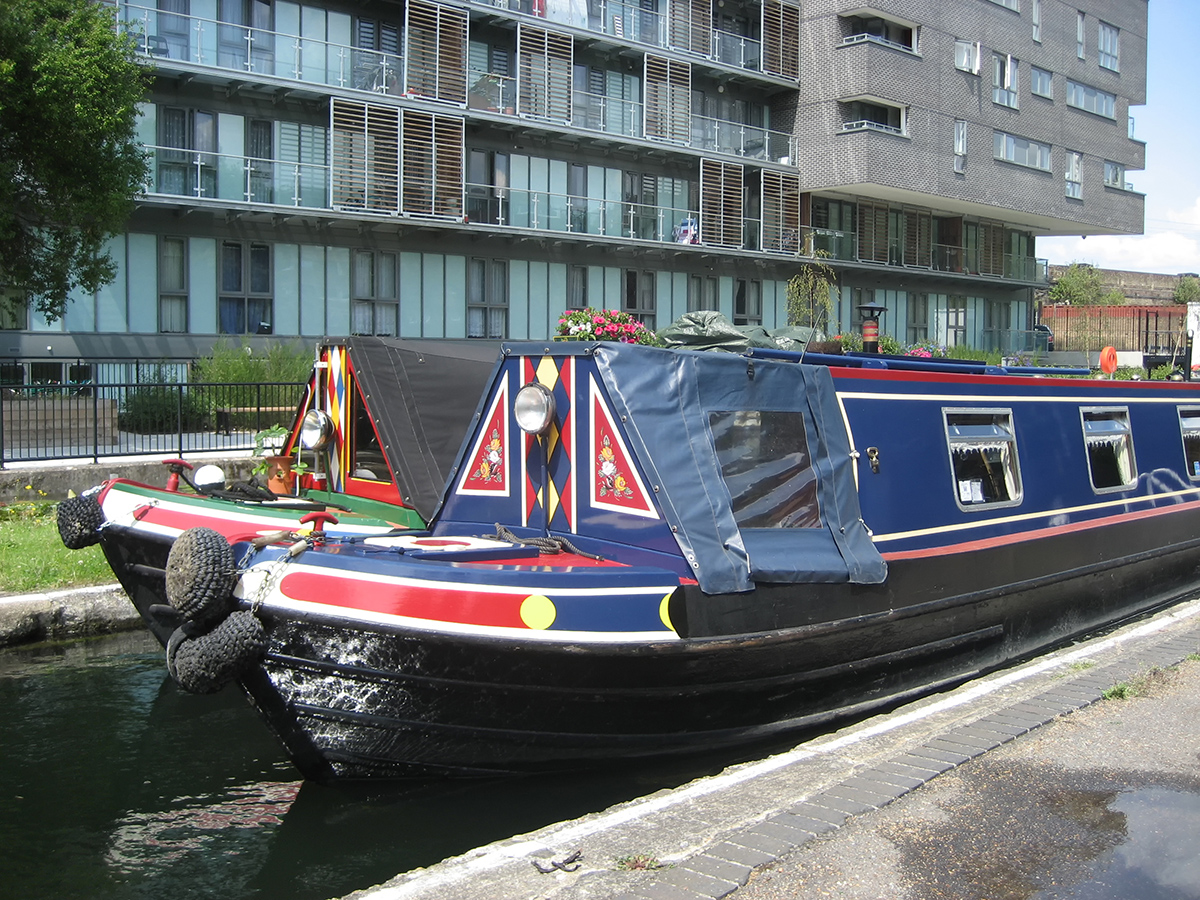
x=422 y=396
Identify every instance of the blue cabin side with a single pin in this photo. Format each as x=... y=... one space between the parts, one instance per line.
x=725 y=470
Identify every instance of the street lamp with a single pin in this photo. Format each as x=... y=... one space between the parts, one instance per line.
x=871 y=313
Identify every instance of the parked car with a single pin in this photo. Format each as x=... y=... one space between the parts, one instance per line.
x=1043 y=338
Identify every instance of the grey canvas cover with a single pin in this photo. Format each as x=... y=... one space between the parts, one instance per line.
x=669 y=403
x=422 y=395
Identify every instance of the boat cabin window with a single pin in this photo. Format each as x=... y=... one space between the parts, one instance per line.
x=766 y=466
x=983 y=456
x=1109 y=448
x=1189 y=424
x=368 y=460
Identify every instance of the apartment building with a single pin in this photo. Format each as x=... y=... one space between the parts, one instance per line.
x=472 y=168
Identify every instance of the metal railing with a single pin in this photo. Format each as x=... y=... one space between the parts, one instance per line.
x=91 y=421
x=202 y=174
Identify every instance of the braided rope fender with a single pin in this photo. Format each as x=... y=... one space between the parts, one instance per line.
x=79 y=520
x=201 y=576
x=205 y=663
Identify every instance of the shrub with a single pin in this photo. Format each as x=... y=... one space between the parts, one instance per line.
x=158 y=405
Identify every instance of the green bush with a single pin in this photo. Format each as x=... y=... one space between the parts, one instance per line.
x=241 y=364
x=158 y=406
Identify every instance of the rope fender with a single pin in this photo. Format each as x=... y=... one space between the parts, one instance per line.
x=79 y=520
x=216 y=642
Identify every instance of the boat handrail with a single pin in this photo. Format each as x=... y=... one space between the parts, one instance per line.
x=859 y=360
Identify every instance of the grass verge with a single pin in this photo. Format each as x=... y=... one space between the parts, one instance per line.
x=33 y=558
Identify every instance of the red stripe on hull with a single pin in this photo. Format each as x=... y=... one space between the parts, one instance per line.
x=1038 y=534
x=465 y=607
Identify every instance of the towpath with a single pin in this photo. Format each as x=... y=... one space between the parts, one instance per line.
x=1012 y=784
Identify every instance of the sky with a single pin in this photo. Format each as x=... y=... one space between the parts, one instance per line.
x=1169 y=123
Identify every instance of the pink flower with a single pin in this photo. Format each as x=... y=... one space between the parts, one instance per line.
x=599 y=320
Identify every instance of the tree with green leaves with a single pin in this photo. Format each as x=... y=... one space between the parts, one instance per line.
x=1080 y=285
x=809 y=301
x=1188 y=289
x=70 y=161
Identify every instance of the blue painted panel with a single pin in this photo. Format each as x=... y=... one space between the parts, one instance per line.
x=518 y=302
x=456 y=297
x=556 y=302
x=337 y=290
x=410 y=294
x=433 y=295
x=539 y=285
x=112 y=312
x=202 y=285
x=289 y=287
x=141 y=272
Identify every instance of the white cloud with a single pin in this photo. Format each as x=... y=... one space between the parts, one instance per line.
x=1164 y=252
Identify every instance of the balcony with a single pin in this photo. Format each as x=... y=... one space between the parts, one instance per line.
x=569 y=214
x=748 y=141
x=202 y=175
x=200 y=41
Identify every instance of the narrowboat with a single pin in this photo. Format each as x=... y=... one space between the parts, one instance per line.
x=642 y=552
x=387 y=415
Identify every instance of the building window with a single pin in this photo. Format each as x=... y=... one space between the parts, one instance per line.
x=747 y=302
x=1109 y=442
x=1074 y=175
x=14 y=310
x=577 y=287
x=880 y=31
x=956 y=321
x=487 y=298
x=186 y=157
x=983 y=457
x=702 y=293
x=960 y=146
x=1189 y=424
x=1091 y=99
x=1037 y=20
x=1041 y=82
x=1109 y=48
x=172 y=286
x=376 y=306
x=638 y=297
x=246 y=305
x=966 y=56
x=997 y=322
x=860 y=114
x=1014 y=5
x=1021 y=151
x=1114 y=175
x=1079 y=24
x=1004 y=80
x=918 y=317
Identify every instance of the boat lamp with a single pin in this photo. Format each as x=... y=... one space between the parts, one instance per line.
x=316 y=430
x=871 y=313
x=534 y=408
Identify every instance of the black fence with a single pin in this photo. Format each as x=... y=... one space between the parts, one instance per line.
x=93 y=421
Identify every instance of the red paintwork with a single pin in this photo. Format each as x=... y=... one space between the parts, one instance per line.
x=464 y=606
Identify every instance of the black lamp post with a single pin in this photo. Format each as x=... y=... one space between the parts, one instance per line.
x=871 y=313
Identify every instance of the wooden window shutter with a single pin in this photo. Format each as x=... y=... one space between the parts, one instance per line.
x=721 y=203
x=545 y=63
x=872 y=232
x=432 y=164
x=668 y=99
x=365 y=157
x=781 y=39
x=918 y=238
x=690 y=25
x=436 y=61
x=781 y=211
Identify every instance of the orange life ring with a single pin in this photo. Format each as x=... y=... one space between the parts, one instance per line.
x=1108 y=360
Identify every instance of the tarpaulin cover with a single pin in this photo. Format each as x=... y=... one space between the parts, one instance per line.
x=711 y=330
x=665 y=400
x=422 y=396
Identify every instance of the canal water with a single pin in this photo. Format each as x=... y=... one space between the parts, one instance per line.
x=116 y=784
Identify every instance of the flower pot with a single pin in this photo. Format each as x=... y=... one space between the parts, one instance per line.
x=280 y=477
